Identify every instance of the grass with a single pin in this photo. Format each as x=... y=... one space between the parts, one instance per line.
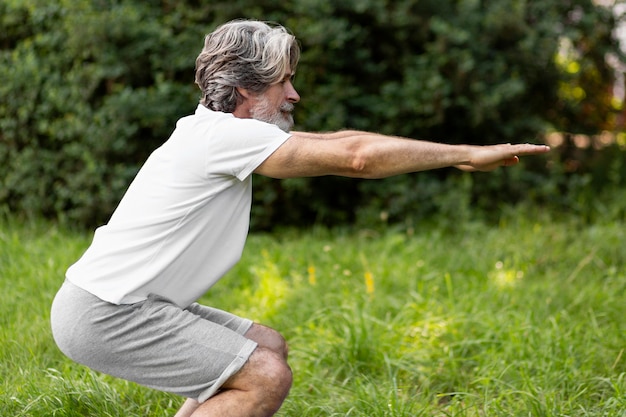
x=525 y=318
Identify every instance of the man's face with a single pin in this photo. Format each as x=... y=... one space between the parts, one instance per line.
x=276 y=104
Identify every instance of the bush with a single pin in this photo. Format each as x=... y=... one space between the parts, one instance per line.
x=90 y=95
x=92 y=87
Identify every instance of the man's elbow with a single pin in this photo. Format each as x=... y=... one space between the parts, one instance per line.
x=363 y=166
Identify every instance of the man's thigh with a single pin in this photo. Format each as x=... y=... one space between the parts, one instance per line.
x=221 y=317
x=153 y=343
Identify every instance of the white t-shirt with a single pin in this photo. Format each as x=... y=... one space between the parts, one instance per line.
x=183 y=221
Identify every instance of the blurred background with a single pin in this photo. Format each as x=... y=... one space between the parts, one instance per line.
x=88 y=88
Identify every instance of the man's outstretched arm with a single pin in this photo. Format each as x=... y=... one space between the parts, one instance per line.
x=369 y=155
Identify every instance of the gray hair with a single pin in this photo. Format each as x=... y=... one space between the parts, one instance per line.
x=243 y=53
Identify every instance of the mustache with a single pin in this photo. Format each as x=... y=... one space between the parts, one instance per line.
x=287 y=107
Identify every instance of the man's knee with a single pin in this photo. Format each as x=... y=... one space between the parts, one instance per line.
x=274 y=369
x=264 y=369
x=267 y=376
x=268 y=338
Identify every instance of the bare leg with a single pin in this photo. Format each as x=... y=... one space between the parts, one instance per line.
x=268 y=338
x=189 y=406
x=258 y=389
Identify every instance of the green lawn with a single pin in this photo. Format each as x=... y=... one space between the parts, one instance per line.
x=527 y=318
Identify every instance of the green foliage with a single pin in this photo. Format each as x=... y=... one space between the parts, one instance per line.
x=458 y=72
x=466 y=71
x=90 y=88
x=91 y=94
x=524 y=318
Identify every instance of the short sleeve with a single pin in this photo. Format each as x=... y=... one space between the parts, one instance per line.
x=238 y=146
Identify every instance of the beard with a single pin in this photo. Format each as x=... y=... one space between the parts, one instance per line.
x=280 y=117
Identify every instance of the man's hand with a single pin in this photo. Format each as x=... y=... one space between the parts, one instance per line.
x=488 y=158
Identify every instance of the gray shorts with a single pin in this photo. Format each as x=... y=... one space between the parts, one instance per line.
x=154 y=343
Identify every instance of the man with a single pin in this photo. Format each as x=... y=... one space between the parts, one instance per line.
x=127 y=307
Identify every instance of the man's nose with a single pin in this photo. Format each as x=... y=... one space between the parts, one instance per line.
x=292 y=94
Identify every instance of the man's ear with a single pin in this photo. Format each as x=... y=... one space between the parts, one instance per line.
x=244 y=103
x=243 y=92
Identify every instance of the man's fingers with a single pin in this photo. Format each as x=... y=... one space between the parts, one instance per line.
x=529 y=149
x=491 y=157
x=510 y=161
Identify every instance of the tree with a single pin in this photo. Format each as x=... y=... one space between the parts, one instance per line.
x=93 y=86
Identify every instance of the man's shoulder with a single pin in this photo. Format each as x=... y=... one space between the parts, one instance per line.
x=202 y=121
x=208 y=114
